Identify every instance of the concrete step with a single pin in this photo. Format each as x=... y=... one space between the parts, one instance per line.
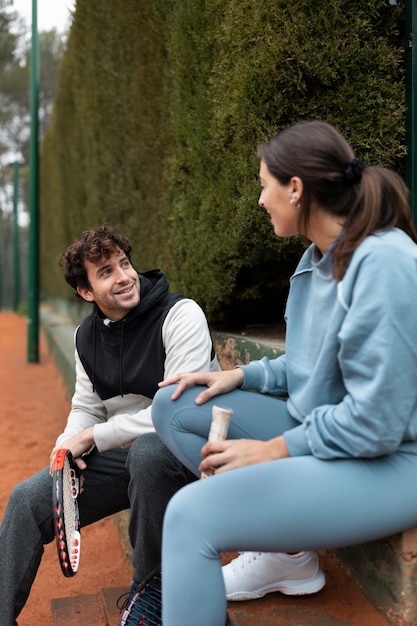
x=340 y=603
x=91 y=610
x=79 y=610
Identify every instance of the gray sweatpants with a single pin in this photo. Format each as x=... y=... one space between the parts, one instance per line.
x=142 y=478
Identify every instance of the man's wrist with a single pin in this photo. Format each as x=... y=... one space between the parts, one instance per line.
x=88 y=436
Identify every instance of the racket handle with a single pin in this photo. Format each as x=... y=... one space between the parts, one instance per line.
x=220 y=421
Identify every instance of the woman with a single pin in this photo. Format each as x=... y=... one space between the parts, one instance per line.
x=335 y=464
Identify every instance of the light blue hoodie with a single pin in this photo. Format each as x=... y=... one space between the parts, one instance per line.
x=350 y=368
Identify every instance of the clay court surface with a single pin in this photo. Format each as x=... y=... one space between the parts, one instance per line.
x=33 y=411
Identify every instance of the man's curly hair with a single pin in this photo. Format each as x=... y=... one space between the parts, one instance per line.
x=93 y=246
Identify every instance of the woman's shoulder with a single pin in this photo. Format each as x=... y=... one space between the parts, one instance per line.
x=386 y=244
x=383 y=268
x=385 y=257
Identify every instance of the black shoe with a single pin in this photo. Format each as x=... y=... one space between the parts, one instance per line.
x=145 y=606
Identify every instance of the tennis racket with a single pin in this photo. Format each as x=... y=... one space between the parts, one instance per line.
x=65 y=490
x=218 y=430
x=146 y=602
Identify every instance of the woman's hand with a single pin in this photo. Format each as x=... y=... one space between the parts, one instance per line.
x=217 y=383
x=223 y=456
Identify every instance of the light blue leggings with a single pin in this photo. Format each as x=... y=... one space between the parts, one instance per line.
x=299 y=503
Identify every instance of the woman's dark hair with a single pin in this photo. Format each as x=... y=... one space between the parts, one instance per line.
x=374 y=199
x=92 y=246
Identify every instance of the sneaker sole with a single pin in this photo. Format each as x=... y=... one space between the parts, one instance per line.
x=287 y=587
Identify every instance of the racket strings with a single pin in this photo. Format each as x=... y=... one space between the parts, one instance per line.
x=67 y=486
x=70 y=513
x=145 y=608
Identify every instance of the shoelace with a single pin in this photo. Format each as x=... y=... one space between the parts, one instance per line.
x=145 y=607
x=124 y=600
x=244 y=559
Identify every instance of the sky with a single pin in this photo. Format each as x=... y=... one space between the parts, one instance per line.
x=51 y=13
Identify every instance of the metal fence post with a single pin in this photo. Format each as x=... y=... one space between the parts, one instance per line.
x=411 y=101
x=16 y=247
x=33 y=270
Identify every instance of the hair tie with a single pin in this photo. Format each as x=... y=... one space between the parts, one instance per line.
x=353 y=171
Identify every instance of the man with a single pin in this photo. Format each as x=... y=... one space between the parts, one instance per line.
x=137 y=334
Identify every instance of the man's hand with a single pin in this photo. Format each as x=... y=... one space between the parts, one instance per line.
x=78 y=444
x=223 y=456
x=217 y=383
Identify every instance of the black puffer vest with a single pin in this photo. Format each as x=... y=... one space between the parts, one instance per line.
x=128 y=356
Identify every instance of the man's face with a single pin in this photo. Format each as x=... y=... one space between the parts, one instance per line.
x=114 y=286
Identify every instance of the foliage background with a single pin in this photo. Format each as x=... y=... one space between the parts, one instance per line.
x=160 y=107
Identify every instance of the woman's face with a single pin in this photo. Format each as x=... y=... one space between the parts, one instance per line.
x=275 y=199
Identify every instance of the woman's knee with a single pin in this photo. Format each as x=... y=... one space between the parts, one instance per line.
x=162 y=407
x=189 y=524
x=182 y=515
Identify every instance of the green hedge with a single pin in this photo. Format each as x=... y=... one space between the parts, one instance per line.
x=159 y=111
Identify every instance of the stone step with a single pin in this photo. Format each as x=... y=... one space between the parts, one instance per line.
x=88 y=610
x=79 y=610
x=340 y=603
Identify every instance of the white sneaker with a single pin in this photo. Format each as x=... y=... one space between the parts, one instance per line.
x=252 y=575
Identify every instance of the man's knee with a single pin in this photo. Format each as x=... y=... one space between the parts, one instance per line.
x=147 y=453
x=150 y=460
x=19 y=494
x=30 y=491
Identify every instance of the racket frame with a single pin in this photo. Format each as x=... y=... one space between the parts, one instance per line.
x=68 y=547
